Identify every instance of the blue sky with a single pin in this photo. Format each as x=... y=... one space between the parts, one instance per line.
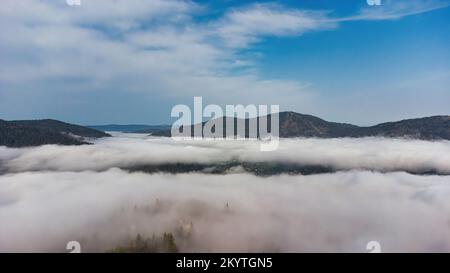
x=132 y=61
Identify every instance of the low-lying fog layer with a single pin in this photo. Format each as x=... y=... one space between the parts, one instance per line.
x=327 y=212
x=51 y=195
x=379 y=154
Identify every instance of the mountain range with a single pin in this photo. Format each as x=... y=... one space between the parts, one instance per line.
x=129 y=128
x=23 y=133
x=299 y=125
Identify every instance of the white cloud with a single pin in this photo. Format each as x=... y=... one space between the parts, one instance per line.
x=47 y=45
x=241 y=27
x=333 y=212
x=101 y=12
x=377 y=154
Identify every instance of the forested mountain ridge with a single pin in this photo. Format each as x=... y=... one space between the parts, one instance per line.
x=293 y=124
x=26 y=133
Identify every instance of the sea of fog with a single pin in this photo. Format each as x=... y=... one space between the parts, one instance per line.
x=394 y=191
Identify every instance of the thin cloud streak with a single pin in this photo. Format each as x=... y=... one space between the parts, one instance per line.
x=392 y=10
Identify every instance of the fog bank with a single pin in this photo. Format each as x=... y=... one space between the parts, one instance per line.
x=341 y=212
x=379 y=154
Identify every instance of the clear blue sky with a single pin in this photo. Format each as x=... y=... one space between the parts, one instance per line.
x=131 y=61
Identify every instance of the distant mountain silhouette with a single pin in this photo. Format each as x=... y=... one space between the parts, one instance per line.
x=436 y=127
x=130 y=128
x=154 y=128
x=299 y=125
x=23 y=133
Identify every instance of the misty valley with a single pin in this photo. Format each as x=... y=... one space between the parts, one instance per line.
x=226 y=135
x=140 y=193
